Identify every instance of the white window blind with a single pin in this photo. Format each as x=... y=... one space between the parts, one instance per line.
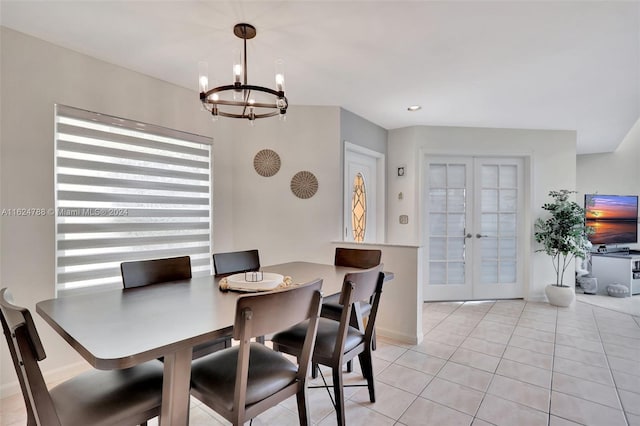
x=127 y=191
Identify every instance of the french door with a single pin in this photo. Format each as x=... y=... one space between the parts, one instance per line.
x=473 y=228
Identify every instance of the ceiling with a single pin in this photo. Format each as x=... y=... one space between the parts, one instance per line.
x=512 y=64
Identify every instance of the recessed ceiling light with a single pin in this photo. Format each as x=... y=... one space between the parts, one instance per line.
x=414 y=108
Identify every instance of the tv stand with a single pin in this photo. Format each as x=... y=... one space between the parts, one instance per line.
x=617 y=267
x=605 y=249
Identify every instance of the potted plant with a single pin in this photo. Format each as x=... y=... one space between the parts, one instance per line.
x=563 y=235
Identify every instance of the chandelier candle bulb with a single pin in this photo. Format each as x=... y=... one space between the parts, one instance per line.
x=280 y=75
x=203 y=78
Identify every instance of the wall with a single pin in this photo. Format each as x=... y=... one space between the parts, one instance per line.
x=551 y=165
x=249 y=210
x=612 y=173
x=359 y=131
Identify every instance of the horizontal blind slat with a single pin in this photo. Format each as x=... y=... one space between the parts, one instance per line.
x=111 y=153
x=139 y=213
x=129 y=198
x=128 y=256
x=130 y=184
x=89 y=166
x=91 y=228
x=129 y=140
x=93 y=243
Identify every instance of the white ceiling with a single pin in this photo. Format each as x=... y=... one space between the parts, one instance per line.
x=514 y=64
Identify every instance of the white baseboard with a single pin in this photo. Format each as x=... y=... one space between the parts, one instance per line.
x=50 y=377
x=401 y=337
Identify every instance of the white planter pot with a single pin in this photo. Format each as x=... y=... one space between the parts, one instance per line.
x=560 y=296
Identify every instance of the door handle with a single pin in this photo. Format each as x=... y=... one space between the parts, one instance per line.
x=481 y=236
x=469 y=235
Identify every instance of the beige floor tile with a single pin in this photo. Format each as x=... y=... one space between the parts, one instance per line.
x=534 y=334
x=453 y=395
x=585 y=412
x=421 y=362
x=478 y=422
x=525 y=356
x=445 y=337
x=577 y=369
x=625 y=365
x=502 y=319
x=390 y=401
x=622 y=351
x=558 y=421
x=580 y=343
x=486 y=333
x=626 y=381
x=630 y=401
x=405 y=378
x=589 y=358
x=525 y=373
x=423 y=410
x=483 y=346
x=387 y=351
x=633 y=419
x=534 y=345
x=466 y=376
x=475 y=359
x=357 y=415
x=520 y=392
x=436 y=349
x=549 y=327
x=501 y=412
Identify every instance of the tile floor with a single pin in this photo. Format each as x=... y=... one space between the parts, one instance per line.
x=484 y=363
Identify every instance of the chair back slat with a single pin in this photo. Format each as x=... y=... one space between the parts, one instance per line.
x=357 y=258
x=236 y=262
x=146 y=272
x=274 y=311
x=26 y=350
x=365 y=283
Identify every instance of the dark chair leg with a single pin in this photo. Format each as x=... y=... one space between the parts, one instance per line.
x=314 y=371
x=367 y=371
x=373 y=340
x=338 y=391
x=303 y=407
x=260 y=339
x=350 y=366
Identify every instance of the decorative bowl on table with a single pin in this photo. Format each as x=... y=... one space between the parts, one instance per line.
x=257 y=281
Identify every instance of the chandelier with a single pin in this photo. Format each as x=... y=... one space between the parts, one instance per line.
x=242 y=100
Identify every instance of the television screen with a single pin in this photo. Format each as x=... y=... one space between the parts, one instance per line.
x=614 y=218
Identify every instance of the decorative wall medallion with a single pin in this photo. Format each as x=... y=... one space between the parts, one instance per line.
x=304 y=184
x=266 y=162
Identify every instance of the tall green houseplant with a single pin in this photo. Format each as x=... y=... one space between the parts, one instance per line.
x=563 y=234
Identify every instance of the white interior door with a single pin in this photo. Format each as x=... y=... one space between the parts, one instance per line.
x=473 y=228
x=362 y=198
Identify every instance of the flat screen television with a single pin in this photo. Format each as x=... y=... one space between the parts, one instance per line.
x=614 y=218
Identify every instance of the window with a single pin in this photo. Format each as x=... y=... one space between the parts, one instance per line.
x=359 y=209
x=127 y=191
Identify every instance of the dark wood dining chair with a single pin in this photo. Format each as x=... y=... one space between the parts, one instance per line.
x=142 y=273
x=228 y=263
x=116 y=397
x=354 y=258
x=243 y=381
x=337 y=341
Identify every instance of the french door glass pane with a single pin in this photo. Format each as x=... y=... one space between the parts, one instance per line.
x=489 y=200
x=508 y=176
x=507 y=272
x=489 y=274
x=437 y=273
x=447 y=207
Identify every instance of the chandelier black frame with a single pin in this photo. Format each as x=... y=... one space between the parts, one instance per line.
x=215 y=105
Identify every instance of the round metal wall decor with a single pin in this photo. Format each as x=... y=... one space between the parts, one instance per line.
x=266 y=162
x=304 y=184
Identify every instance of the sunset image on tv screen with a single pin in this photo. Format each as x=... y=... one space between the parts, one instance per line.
x=611 y=207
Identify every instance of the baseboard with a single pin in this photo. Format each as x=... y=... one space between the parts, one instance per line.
x=50 y=377
x=401 y=337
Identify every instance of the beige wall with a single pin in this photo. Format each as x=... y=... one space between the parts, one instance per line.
x=550 y=158
x=249 y=210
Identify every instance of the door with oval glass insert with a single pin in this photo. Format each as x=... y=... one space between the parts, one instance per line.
x=473 y=228
x=361 y=188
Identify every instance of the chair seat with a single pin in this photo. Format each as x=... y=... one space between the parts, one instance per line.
x=331 y=307
x=101 y=398
x=325 y=339
x=213 y=377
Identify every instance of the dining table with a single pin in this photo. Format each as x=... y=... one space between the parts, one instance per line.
x=117 y=329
